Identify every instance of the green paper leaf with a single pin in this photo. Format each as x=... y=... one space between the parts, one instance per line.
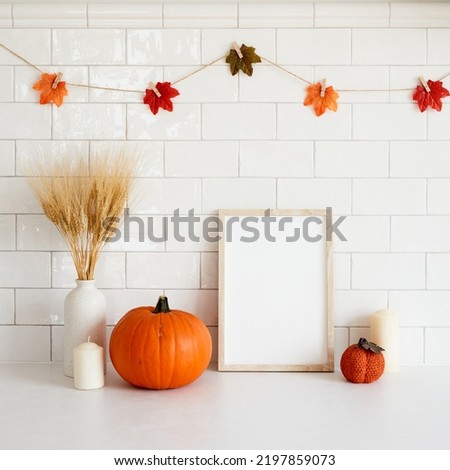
x=245 y=64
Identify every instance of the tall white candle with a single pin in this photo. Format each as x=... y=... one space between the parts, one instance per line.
x=88 y=366
x=384 y=331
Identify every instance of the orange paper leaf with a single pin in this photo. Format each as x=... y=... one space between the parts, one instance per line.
x=48 y=93
x=320 y=103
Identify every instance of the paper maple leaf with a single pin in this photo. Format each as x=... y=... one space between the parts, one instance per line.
x=244 y=64
x=321 y=103
x=48 y=93
x=164 y=101
x=431 y=98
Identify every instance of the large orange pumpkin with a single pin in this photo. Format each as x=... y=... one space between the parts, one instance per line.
x=159 y=348
x=362 y=362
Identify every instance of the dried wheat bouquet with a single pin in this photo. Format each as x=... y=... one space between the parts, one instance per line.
x=84 y=200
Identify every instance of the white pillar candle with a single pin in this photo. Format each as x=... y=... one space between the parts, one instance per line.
x=384 y=331
x=88 y=366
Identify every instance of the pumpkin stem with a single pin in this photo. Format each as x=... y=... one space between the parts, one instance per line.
x=162 y=306
x=368 y=346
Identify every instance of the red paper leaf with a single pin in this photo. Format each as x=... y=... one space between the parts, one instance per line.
x=321 y=103
x=164 y=101
x=432 y=98
x=48 y=93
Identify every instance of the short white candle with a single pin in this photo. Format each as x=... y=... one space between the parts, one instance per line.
x=384 y=331
x=88 y=368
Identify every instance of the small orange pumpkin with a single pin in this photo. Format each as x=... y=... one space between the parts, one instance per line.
x=159 y=348
x=362 y=362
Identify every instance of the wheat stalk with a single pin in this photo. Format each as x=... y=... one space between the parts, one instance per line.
x=84 y=201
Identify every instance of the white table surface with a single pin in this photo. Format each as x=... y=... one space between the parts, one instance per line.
x=40 y=409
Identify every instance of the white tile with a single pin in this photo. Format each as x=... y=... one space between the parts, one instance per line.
x=123 y=77
x=109 y=271
x=120 y=301
x=191 y=232
x=312 y=46
x=341 y=271
x=128 y=15
x=438 y=200
x=163 y=270
x=438 y=270
x=181 y=124
x=202 y=234
x=436 y=340
x=218 y=42
x=340 y=343
x=32 y=44
x=36 y=232
x=437 y=54
x=50 y=15
x=388 y=122
x=150 y=154
x=389 y=46
x=165 y=195
x=315 y=194
x=6 y=306
x=24 y=343
x=421 y=308
x=239 y=121
x=354 y=307
x=89 y=121
x=5 y=16
x=213 y=84
x=347 y=15
x=7 y=232
x=16 y=196
x=24 y=269
x=238 y=193
x=35 y=121
x=276 y=15
x=213 y=158
x=200 y=15
x=57 y=343
x=352 y=159
x=210 y=271
x=363 y=234
x=388 y=271
x=276 y=158
x=420 y=15
x=356 y=333
x=269 y=84
x=389 y=196
x=163 y=47
x=299 y=122
x=411 y=346
x=26 y=77
x=356 y=78
x=88 y=46
x=420 y=159
x=40 y=306
x=438 y=124
x=404 y=79
x=420 y=233
x=7 y=151
x=6 y=79
x=214 y=332
x=137 y=233
x=201 y=303
x=46 y=151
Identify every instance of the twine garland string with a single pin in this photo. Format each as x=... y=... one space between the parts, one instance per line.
x=203 y=67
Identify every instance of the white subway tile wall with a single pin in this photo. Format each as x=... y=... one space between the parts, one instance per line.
x=232 y=142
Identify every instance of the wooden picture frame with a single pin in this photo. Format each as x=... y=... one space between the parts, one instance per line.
x=276 y=297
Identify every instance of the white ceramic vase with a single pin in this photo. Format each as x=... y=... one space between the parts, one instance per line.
x=84 y=317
